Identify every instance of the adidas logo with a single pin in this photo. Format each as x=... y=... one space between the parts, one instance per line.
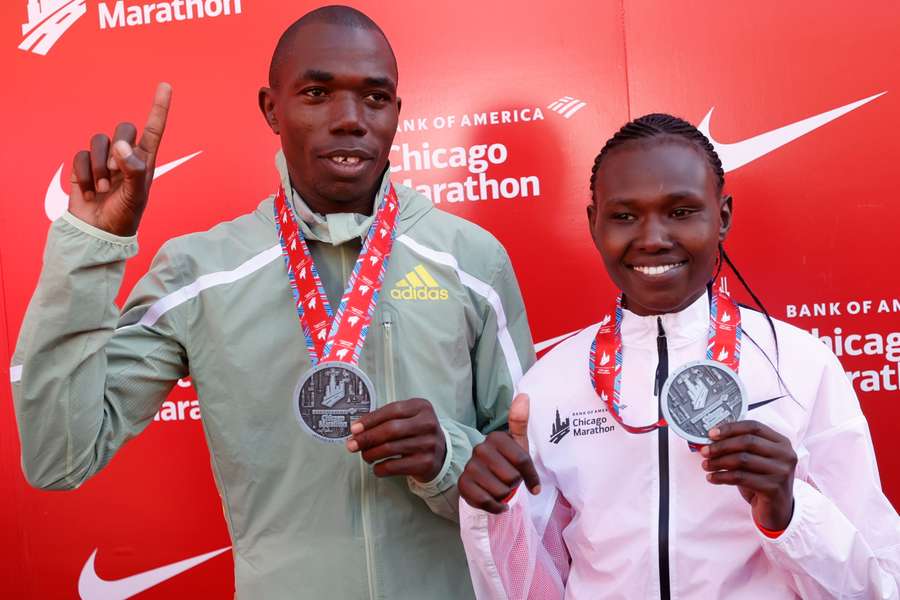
x=418 y=285
x=567 y=106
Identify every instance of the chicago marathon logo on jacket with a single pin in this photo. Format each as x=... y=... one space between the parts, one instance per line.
x=581 y=423
x=418 y=284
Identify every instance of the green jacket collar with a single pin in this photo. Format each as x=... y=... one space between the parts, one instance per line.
x=339 y=228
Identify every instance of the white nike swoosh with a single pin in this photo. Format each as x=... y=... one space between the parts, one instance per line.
x=56 y=200
x=91 y=587
x=738 y=154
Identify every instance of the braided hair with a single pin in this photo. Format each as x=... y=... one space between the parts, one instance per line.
x=661 y=125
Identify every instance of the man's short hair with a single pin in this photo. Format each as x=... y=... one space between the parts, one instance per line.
x=344 y=16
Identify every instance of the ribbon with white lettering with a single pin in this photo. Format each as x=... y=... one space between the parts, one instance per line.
x=337 y=336
x=335 y=392
x=724 y=346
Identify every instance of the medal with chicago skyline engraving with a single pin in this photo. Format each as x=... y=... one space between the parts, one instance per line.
x=330 y=397
x=700 y=395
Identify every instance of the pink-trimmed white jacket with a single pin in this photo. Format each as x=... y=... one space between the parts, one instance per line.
x=631 y=516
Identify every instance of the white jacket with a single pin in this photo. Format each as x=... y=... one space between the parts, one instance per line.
x=607 y=495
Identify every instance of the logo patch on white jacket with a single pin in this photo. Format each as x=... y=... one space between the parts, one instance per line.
x=581 y=423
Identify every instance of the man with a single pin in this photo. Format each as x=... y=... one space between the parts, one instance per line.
x=308 y=519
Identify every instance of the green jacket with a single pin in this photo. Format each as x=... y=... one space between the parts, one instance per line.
x=307 y=519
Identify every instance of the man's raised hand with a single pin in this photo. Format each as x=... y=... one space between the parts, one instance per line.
x=500 y=463
x=111 y=182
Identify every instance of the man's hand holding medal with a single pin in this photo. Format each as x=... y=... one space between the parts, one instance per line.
x=401 y=438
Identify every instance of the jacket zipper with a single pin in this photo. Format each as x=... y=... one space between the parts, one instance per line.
x=390 y=391
x=662 y=372
x=390 y=384
x=367 y=531
x=366 y=520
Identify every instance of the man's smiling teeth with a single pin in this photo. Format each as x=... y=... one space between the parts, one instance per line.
x=346 y=160
x=657 y=270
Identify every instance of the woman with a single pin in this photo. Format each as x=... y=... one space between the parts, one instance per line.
x=619 y=506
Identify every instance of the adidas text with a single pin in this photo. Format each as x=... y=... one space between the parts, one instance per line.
x=418 y=284
x=419 y=294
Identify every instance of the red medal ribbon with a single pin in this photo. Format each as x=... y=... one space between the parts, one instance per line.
x=337 y=337
x=605 y=362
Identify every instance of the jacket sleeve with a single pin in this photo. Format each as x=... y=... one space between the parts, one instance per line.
x=520 y=554
x=503 y=352
x=844 y=537
x=86 y=377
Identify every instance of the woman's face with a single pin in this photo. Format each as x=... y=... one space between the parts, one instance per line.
x=657 y=220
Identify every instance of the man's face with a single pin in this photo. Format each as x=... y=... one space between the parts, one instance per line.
x=657 y=220
x=335 y=108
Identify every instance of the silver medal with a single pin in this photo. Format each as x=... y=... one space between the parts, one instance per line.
x=330 y=397
x=699 y=395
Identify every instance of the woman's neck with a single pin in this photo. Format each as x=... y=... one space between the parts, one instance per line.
x=643 y=311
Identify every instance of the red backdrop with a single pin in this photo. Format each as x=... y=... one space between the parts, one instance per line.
x=542 y=85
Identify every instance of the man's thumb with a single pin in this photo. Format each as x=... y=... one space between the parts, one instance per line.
x=518 y=420
x=131 y=166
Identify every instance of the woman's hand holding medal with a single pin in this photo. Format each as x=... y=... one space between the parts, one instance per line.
x=760 y=462
x=500 y=464
x=405 y=436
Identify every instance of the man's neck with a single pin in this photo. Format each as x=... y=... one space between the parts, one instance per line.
x=326 y=207
x=364 y=205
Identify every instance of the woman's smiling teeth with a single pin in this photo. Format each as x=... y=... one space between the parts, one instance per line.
x=656 y=270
